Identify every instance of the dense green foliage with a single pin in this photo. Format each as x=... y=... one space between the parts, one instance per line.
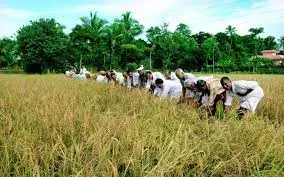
x=42 y=46
x=8 y=53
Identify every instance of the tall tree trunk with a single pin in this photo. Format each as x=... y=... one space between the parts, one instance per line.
x=104 y=59
x=213 y=60
x=110 y=57
x=81 y=58
x=150 y=60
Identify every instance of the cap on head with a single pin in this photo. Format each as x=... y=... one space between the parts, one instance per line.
x=179 y=73
x=140 y=68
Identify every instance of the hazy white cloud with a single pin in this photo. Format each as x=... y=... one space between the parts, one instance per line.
x=268 y=14
x=11 y=20
x=148 y=12
x=206 y=15
x=8 y=29
x=199 y=15
x=14 y=13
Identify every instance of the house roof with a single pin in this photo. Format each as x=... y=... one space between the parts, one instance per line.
x=268 y=51
x=274 y=57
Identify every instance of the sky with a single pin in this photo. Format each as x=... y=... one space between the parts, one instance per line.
x=200 y=15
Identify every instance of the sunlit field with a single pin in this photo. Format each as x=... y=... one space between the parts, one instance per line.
x=54 y=126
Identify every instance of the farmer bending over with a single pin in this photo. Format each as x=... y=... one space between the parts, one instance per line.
x=167 y=89
x=182 y=77
x=151 y=78
x=249 y=94
x=192 y=94
x=212 y=92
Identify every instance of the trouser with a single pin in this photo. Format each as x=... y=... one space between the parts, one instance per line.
x=251 y=101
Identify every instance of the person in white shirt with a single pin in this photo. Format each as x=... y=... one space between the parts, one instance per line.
x=79 y=77
x=168 y=89
x=71 y=71
x=83 y=70
x=132 y=80
x=182 y=77
x=170 y=75
x=102 y=78
x=120 y=78
x=116 y=78
x=249 y=94
x=69 y=74
x=151 y=78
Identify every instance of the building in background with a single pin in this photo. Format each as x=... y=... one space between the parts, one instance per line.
x=272 y=55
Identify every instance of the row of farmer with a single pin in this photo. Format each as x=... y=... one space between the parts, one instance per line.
x=203 y=91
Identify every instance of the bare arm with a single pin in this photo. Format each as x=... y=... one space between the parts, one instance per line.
x=228 y=102
x=183 y=93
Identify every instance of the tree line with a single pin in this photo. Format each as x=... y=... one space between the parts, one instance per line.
x=42 y=46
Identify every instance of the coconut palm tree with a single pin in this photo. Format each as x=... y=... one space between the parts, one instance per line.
x=112 y=34
x=256 y=31
x=93 y=28
x=130 y=27
x=230 y=30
